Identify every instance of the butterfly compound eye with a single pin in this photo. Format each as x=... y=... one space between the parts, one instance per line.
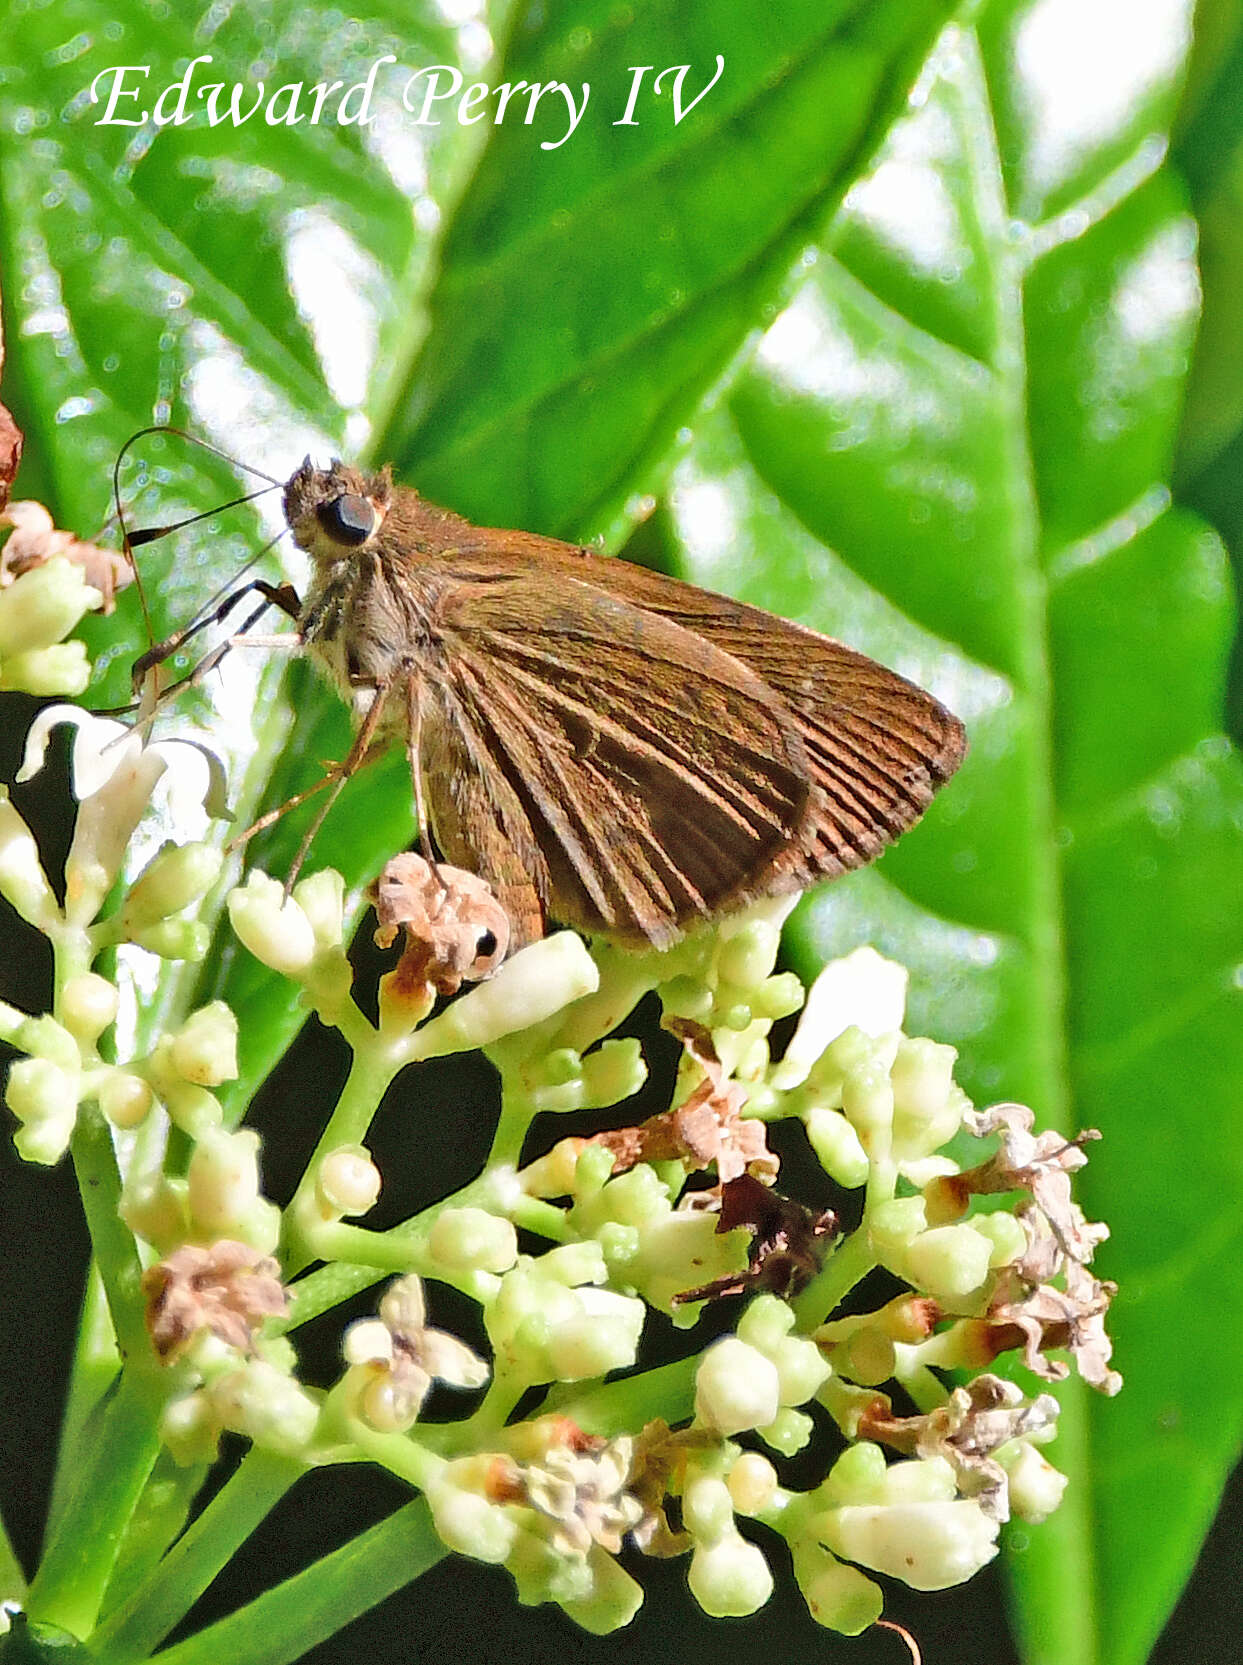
x=349 y=519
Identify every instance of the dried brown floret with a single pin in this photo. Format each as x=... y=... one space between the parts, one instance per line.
x=227 y=1288
x=456 y=930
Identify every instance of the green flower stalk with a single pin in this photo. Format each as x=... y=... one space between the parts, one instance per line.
x=207 y=1281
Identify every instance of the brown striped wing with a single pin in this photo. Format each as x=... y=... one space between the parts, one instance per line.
x=877 y=746
x=604 y=766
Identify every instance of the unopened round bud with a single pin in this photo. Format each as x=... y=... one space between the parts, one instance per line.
x=1004 y=1232
x=125 y=1099
x=802 y=1369
x=470 y=1239
x=707 y=1508
x=88 y=1006
x=730 y=1579
x=204 y=1049
x=603 y=1335
x=348 y=1181
x=736 y=1387
x=752 y=1482
x=271 y=925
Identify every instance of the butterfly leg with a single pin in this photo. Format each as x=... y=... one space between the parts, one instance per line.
x=283 y=596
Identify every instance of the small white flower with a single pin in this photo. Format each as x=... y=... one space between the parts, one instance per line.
x=863 y=990
x=396 y=1357
x=114 y=776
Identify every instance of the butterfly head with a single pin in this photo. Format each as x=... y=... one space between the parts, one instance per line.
x=336 y=510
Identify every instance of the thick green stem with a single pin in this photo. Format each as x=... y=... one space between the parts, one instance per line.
x=370 y=1074
x=285 y=1622
x=168 y=1594
x=95 y=1366
x=78 y=1562
x=849 y=1265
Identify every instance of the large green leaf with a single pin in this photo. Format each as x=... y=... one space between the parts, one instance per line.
x=952 y=448
x=949 y=445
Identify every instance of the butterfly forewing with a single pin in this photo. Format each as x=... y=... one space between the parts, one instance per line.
x=643 y=776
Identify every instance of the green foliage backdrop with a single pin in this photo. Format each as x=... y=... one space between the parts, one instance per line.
x=925 y=397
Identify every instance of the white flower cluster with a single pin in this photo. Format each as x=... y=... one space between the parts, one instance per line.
x=679 y=1211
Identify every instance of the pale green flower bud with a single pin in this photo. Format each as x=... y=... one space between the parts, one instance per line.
x=1004 y=1232
x=22 y=879
x=154 y=1208
x=204 y=1049
x=41 y=607
x=106 y=822
x=736 y=1387
x=271 y=925
x=788 y=1432
x=838 y=1597
x=859 y=1474
x=176 y=876
x=44 y=1098
x=614 y=1600
x=635 y=1198
x=467 y=1522
x=747 y=956
x=777 y=997
x=190 y=1429
x=707 y=1508
x=837 y=1146
x=125 y=1099
x=470 y=1239
x=174 y=939
x=1035 y=1486
x=223 y=1181
x=43 y=1037
x=601 y=1335
x=861 y=992
x=730 y=1579
x=802 y=1369
x=321 y=897
x=752 y=1483
x=348 y=1182
x=88 y=1006
x=948 y=1260
x=63 y=669
x=894 y=1225
x=926 y=1112
x=929 y=1546
x=867 y=1098
x=766 y=1323
x=683 y=1250
x=265 y=1405
x=534 y=985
